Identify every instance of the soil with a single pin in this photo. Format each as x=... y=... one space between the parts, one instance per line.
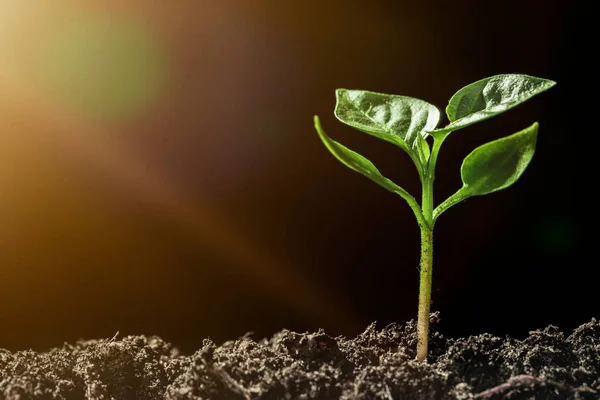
x=377 y=364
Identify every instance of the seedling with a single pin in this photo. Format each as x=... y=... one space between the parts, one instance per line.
x=408 y=123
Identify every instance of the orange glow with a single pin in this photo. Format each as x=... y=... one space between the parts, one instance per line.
x=79 y=133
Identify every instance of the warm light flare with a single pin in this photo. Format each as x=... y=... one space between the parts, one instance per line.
x=100 y=64
x=105 y=66
x=101 y=75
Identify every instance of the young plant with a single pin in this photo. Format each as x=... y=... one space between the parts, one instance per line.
x=408 y=123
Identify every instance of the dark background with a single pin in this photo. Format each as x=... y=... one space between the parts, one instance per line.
x=216 y=210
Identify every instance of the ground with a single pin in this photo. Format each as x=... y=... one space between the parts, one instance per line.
x=376 y=365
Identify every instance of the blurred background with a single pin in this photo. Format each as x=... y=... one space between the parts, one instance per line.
x=160 y=173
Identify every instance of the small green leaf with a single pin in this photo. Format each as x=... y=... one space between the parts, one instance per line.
x=489 y=97
x=365 y=167
x=400 y=120
x=494 y=166
x=355 y=161
x=498 y=164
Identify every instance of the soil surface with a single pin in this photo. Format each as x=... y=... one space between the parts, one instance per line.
x=377 y=364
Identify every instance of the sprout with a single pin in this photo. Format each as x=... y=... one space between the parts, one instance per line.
x=408 y=122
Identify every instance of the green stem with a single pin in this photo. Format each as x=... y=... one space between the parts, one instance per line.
x=426 y=264
x=437 y=143
x=425 y=270
x=449 y=202
x=413 y=205
x=427 y=203
x=424 y=292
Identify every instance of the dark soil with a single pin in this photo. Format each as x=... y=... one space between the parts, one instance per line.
x=378 y=364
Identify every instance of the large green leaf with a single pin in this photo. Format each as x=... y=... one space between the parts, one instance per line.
x=400 y=120
x=494 y=166
x=489 y=97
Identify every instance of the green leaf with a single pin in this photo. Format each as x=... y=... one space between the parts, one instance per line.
x=400 y=120
x=494 y=166
x=498 y=164
x=355 y=161
x=365 y=167
x=489 y=97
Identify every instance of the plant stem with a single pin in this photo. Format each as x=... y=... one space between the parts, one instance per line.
x=426 y=264
x=424 y=292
